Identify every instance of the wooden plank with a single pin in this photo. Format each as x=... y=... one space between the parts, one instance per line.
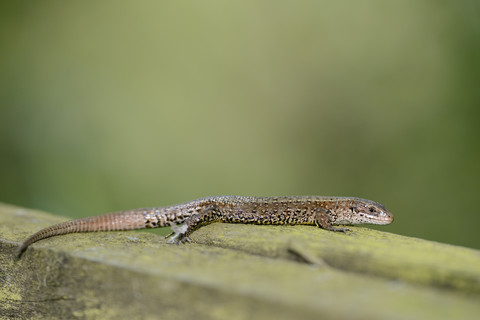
x=233 y=271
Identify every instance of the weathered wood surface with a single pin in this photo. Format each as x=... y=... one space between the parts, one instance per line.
x=233 y=272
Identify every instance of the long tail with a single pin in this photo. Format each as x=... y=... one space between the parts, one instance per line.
x=117 y=221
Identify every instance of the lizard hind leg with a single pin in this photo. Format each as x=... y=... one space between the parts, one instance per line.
x=181 y=233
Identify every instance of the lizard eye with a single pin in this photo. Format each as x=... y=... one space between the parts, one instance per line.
x=371 y=209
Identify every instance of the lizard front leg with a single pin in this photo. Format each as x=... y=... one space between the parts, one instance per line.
x=323 y=220
x=204 y=217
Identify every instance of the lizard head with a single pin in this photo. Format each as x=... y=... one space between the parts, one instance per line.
x=367 y=211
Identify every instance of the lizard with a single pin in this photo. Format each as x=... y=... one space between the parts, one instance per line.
x=324 y=212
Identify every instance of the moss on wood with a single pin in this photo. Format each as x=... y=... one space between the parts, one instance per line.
x=234 y=272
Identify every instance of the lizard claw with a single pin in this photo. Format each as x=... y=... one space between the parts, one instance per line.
x=173 y=240
x=185 y=239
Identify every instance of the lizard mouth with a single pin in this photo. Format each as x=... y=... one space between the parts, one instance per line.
x=385 y=217
x=381 y=218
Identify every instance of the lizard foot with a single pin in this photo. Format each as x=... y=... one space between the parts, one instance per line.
x=178 y=235
x=179 y=238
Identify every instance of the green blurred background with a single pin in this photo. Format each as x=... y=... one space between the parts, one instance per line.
x=110 y=105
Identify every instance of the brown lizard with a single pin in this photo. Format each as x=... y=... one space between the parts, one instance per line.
x=325 y=212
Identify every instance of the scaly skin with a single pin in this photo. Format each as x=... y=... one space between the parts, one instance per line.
x=325 y=212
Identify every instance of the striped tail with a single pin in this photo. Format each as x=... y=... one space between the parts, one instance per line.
x=117 y=221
